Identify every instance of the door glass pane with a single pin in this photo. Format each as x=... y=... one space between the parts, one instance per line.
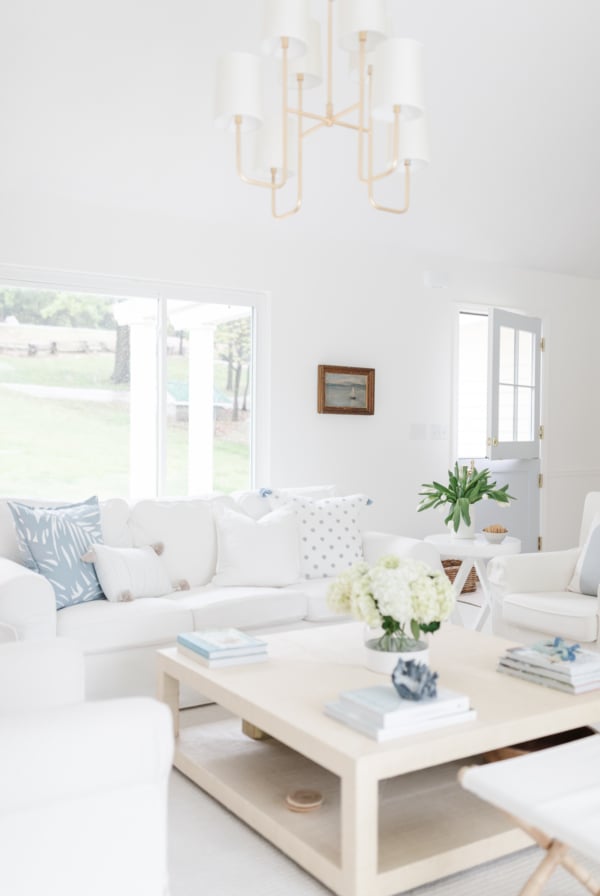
x=506 y=414
x=64 y=395
x=524 y=414
x=526 y=358
x=507 y=355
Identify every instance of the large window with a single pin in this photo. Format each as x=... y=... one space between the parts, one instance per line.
x=123 y=396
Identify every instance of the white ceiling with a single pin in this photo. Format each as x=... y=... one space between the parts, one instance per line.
x=111 y=102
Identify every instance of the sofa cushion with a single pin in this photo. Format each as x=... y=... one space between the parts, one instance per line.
x=114 y=517
x=256 y=504
x=106 y=626
x=129 y=573
x=330 y=533
x=317 y=609
x=56 y=538
x=586 y=578
x=549 y=612
x=243 y=607
x=187 y=530
x=262 y=552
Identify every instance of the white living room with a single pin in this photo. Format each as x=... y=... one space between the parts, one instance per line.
x=291 y=291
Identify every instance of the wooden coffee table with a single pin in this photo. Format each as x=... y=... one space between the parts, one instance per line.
x=393 y=815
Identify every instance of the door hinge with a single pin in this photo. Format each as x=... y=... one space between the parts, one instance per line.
x=540 y=480
x=539 y=542
x=541 y=432
x=543 y=344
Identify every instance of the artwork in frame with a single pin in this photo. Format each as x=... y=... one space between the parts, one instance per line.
x=346 y=390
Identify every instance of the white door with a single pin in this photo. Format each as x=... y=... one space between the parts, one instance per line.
x=511 y=404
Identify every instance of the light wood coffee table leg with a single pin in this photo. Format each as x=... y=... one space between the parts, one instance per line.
x=359 y=808
x=168 y=692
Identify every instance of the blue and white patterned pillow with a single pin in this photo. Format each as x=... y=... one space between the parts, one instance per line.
x=55 y=538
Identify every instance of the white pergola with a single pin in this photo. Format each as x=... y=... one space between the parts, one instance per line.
x=148 y=321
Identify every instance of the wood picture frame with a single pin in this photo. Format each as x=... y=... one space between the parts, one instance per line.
x=346 y=390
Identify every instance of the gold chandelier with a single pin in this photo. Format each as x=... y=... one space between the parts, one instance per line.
x=390 y=90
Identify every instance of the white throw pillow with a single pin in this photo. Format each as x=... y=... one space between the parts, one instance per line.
x=586 y=578
x=128 y=573
x=260 y=552
x=330 y=534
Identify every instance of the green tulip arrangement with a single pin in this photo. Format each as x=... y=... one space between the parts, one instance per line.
x=466 y=486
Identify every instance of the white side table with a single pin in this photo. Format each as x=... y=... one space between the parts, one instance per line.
x=474 y=552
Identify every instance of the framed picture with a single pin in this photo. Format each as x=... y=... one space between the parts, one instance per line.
x=346 y=390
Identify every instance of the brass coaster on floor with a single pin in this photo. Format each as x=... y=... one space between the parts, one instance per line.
x=303 y=800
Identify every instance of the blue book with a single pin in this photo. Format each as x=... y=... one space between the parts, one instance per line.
x=221 y=642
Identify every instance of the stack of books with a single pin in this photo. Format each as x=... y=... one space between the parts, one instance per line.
x=574 y=676
x=221 y=647
x=380 y=713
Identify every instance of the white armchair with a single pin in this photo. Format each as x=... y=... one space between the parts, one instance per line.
x=83 y=786
x=530 y=598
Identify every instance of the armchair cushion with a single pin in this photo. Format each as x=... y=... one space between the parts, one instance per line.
x=586 y=578
x=553 y=613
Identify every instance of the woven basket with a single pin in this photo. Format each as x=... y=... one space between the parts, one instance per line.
x=451 y=568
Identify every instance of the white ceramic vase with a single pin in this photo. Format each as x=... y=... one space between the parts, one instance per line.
x=385 y=661
x=464 y=530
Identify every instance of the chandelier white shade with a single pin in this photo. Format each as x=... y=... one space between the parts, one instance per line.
x=285 y=18
x=388 y=84
x=356 y=16
x=239 y=91
x=310 y=65
x=398 y=79
x=268 y=149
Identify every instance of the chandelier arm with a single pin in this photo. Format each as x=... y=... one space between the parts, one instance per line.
x=345 y=112
x=298 y=205
x=385 y=208
x=362 y=63
x=393 y=166
x=329 y=107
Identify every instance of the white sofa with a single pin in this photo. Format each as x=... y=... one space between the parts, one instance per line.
x=119 y=640
x=83 y=786
x=530 y=596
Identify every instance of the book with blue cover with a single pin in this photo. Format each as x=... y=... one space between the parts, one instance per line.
x=382 y=706
x=221 y=643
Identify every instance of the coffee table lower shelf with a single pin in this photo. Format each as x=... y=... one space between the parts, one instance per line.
x=429 y=827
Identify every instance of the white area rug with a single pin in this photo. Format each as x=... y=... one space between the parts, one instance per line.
x=210 y=851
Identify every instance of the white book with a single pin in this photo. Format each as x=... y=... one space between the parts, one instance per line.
x=339 y=712
x=542 y=671
x=585 y=665
x=381 y=705
x=221 y=661
x=549 y=682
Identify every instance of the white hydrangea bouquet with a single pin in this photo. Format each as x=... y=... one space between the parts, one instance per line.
x=402 y=596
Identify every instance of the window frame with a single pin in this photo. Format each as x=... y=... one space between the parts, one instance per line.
x=21 y=277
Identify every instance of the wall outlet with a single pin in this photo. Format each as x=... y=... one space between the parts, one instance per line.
x=438 y=432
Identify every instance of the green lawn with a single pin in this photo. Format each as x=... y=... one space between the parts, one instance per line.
x=72 y=449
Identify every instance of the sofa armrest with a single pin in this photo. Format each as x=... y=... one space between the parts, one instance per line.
x=40 y=674
x=532 y=572
x=91 y=779
x=378 y=544
x=27 y=601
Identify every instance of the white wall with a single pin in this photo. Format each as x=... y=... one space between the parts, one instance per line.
x=355 y=304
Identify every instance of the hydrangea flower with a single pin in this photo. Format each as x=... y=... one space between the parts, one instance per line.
x=402 y=596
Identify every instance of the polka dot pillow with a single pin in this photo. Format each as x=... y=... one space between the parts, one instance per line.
x=330 y=534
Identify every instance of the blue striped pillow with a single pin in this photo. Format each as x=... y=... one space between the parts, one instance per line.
x=55 y=539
